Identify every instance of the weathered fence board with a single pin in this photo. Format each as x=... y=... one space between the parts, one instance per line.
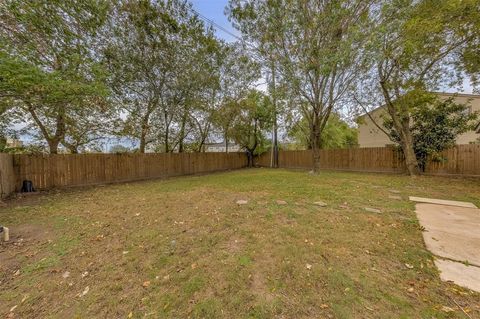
x=459 y=160
x=49 y=171
x=7 y=175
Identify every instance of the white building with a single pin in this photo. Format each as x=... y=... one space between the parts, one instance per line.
x=221 y=147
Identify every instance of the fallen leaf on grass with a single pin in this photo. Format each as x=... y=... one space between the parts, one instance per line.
x=146 y=284
x=447 y=309
x=409 y=266
x=324 y=306
x=85 y=291
x=308 y=266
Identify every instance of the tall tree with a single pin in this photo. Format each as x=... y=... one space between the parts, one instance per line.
x=317 y=45
x=415 y=48
x=163 y=61
x=237 y=73
x=49 y=62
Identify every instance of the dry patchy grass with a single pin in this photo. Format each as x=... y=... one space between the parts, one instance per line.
x=183 y=248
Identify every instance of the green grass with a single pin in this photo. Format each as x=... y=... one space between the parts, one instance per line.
x=204 y=256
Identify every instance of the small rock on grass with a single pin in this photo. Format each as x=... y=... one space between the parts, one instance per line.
x=373 y=210
x=320 y=203
x=308 y=266
x=242 y=202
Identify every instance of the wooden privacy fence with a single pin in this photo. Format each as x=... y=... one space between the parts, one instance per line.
x=460 y=160
x=7 y=175
x=49 y=171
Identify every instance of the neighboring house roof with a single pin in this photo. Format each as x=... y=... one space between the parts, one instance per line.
x=467 y=95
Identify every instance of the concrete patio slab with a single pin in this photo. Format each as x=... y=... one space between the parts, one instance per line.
x=441 y=202
x=460 y=274
x=451 y=232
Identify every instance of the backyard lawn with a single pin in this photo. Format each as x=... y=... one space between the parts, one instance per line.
x=184 y=248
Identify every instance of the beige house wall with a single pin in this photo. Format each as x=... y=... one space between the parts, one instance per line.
x=369 y=135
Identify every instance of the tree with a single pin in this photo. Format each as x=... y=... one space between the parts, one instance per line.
x=435 y=127
x=140 y=53
x=317 y=46
x=255 y=115
x=164 y=63
x=237 y=73
x=337 y=134
x=49 y=64
x=119 y=149
x=415 y=48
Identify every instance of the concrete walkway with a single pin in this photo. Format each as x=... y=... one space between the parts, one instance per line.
x=452 y=234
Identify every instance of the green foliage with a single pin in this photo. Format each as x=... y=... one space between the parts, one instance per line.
x=119 y=149
x=316 y=46
x=435 y=125
x=336 y=134
x=253 y=120
x=417 y=46
x=49 y=64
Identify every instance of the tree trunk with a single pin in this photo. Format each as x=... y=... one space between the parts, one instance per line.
x=274 y=161
x=409 y=153
x=167 y=147
x=401 y=124
x=315 y=141
x=402 y=127
x=143 y=142
x=53 y=146
x=142 y=145
x=226 y=143
x=249 y=158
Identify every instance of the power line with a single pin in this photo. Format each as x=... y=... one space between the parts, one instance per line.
x=219 y=27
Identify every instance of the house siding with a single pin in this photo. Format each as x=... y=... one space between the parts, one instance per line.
x=369 y=135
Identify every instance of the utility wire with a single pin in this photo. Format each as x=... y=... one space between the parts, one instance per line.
x=256 y=54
